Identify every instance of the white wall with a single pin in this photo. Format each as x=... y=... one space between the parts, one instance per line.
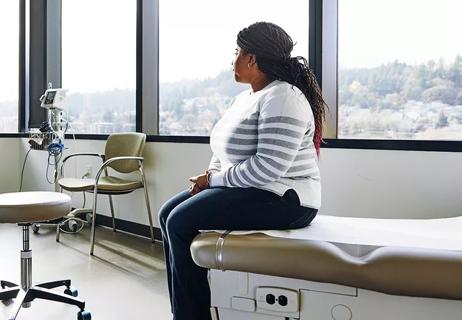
x=391 y=184
x=361 y=183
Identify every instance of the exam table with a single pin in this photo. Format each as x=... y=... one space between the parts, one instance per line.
x=337 y=268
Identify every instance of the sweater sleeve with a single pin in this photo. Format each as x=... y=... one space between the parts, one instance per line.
x=214 y=165
x=282 y=123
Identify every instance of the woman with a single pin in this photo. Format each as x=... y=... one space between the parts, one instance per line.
x=263 y=173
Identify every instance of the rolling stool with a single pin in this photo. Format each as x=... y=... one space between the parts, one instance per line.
x=25 y=208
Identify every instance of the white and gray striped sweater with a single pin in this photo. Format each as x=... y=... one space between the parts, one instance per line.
x=265 y=140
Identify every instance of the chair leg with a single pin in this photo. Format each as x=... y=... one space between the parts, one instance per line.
x=93 y=223
x=111 y=204
x=58 y=232
x=58 y=229
x=148 y=206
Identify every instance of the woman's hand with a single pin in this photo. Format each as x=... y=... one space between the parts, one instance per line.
x=200 y=183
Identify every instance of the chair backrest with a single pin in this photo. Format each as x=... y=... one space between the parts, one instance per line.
x=125 y=144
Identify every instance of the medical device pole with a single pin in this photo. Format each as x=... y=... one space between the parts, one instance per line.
x=56 y=173
x=55 y=120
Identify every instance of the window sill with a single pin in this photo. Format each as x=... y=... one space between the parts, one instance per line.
x=401 y=145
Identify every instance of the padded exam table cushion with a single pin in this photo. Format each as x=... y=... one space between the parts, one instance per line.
x=421 y=258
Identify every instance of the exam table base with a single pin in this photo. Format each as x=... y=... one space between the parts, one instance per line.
x=234 y=297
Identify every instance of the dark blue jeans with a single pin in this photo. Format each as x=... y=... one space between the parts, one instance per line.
x=184 y=215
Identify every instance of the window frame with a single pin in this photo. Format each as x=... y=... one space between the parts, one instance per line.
x=323 y=57
x=22 y=114
x=142 y=67
x=21 y=122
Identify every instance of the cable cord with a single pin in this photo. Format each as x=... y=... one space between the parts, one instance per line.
x=23 y=166
x=84 y=197
x=57 y=158
x=69 y=126
x=64 y=118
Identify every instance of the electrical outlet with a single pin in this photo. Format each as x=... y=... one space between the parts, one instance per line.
x=277 y=299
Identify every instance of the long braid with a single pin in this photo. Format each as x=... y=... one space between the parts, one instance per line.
x=272 y=47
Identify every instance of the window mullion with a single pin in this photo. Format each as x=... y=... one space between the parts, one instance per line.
x=150 y=66
x=53 y=43
x=329 y=65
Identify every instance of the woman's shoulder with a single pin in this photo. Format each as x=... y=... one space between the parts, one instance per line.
x=284 y=89
x=283 y=100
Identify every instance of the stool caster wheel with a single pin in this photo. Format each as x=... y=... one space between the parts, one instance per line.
x=84 y=315
x=72 y=292
x=35 y=228
x=72 y=226
x=89 y=217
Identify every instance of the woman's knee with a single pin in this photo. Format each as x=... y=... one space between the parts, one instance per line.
x=178 y=223
x=166 y=209
x=173 y=221
x=164 y=212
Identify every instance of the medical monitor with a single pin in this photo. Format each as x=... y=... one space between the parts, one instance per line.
x=53 y=99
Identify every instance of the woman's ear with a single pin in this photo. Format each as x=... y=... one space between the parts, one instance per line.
x=252 y=62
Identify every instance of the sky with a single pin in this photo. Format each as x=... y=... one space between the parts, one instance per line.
x=99 y=44
x=373 y=32
x=9 y=52
x=190 y=48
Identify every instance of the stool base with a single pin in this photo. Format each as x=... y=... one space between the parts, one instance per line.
x=40 y=291
x=26 y=293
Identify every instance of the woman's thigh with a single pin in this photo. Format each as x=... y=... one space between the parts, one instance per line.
x=170 y=204
x=236 y=209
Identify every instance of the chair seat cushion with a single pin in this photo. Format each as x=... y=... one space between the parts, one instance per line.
x=106 y=184
x=34 y=206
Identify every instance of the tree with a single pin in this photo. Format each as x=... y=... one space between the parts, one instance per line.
x=455 y=71
x=441 y=93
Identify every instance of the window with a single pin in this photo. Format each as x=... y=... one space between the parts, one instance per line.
x=400 y=69
x=197 y=43
x=9 y=65
x=99 y=64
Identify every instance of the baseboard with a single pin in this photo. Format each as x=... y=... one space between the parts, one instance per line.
x=128 y=226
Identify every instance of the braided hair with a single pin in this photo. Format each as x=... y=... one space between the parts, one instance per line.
x=272 y=47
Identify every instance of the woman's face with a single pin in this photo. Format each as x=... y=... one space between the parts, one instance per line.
x=242 y=71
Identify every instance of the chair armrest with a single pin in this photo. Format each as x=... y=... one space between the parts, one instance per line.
x=108 y=162
x=84 y=154
x=93 y=154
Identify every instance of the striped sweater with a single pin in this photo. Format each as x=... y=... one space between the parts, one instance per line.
x=265 y=140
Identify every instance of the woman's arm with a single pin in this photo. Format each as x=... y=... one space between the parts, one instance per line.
x=282 y=124
x=214 y=165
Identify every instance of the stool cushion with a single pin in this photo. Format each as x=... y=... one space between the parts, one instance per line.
x=34 y=206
